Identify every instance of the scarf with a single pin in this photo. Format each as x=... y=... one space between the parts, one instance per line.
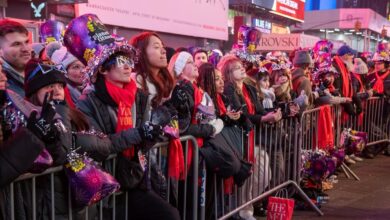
x=378 y=86
x=360 y=119
x=68 y=98
x=325 y=129
x=198 y=94
x=251 y=110
x=269 y=98
x=221 y=105
x=346 y=86
x=124 y=98
x=345 y=78
x=15 y=80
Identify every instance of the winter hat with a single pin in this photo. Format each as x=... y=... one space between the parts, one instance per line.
x=345 y=49
x=58 y=54
x=38 y=48
x=302 y=57
x=360 y=67
x=177 y=63
x=38 y=75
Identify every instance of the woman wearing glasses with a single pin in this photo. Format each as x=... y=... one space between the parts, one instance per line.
x=58 y=54
x=42 y=81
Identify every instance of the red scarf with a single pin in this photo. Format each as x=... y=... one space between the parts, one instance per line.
x=360 y=119
x=346 y=87
x=68 y=98
x=124 y=98
x=325 y=128
x=198 y=94
x=251 y=110
x=221 y=105
x=345 y=77
x=378 y=86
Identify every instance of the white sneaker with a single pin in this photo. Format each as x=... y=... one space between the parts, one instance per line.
x=356 y=158
x=247 y=215
x=349 y=160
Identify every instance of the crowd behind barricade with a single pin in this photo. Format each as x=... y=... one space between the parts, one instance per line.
x=75 y=101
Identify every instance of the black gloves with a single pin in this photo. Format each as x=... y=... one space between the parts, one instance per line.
x=43 y=127
x=150 y=131
x=179 y=100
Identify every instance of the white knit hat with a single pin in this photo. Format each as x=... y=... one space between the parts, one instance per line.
x=177 y=65
x=360 y=66
x=59 y=54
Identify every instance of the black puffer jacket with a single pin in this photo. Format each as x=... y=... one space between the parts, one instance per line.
x=237 y=101
x=185 y=109
x=101 y=112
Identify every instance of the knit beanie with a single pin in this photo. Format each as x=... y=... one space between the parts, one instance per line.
x=58 y=54
x=302 y=57
x=37 y=48
x=345 y=49
x=178 y=62
x=360 y=67
x=35 y=78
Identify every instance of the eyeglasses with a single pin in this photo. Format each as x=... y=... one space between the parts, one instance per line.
x=120 y=61
x=378 y=63
x=46 y=69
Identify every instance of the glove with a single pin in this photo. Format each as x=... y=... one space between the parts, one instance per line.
x=302 y=100
x=180 y=99
x=150 y=131
x=217 y=125
x=43 y=127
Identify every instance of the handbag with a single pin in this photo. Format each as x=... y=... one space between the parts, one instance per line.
x=129 y=172
x=280 y=207
x=89 y=183
x=43 y=162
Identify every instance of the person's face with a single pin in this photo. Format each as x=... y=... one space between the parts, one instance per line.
x=264 y=83
x=281 y=79
x=329 y=78
x=238 y=71
x=16 y=49
x=190 y=71
x=56 y=88
x=3 y=77
x=119 y=73
x=156 y=53
x=379 y=65
x=348 y=57
x=200 y=58
x=219 y=83
x=74 y=72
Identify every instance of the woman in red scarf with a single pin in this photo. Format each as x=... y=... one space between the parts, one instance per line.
x=113 y=108
x=211 y=81
x=244 y=97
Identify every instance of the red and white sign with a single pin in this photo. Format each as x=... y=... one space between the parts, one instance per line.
x=285 y=42
x=293 y=9
x=198 y=18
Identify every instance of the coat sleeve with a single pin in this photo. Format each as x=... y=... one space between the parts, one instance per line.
x=14 y=160
x=119 y=140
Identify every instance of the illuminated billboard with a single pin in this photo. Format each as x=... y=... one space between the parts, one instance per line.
x=198 y=18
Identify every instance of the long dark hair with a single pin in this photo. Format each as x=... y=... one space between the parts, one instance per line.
x=77 y=118
x=164 y=81
x=206 y=80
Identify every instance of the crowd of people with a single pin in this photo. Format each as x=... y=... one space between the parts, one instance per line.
x=102 y=94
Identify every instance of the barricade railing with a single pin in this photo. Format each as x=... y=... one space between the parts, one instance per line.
x=115 y=206
x=276 y=166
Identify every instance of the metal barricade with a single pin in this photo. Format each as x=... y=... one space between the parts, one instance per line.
x=108 y=207
x=275 y=167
